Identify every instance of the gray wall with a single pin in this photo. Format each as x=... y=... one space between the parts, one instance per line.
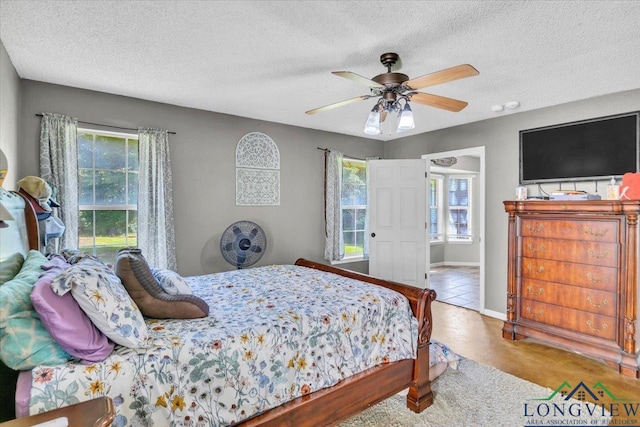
x=9 y=116
x=501 y=139
x=203 y=166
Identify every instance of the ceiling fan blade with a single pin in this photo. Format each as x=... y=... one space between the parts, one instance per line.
x=437 y=101
x=338 y=104
x=442 y=76
x=358 y=78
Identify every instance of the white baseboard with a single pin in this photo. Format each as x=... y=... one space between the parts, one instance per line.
x=495 y=314
x=455 y=264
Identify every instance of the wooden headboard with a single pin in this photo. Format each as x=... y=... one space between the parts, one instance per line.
x=20 y=235
x=22 y=232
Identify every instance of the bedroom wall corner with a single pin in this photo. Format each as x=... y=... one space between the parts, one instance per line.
x=10 y=89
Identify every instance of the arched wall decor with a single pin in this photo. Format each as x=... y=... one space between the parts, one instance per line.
x=257 y=171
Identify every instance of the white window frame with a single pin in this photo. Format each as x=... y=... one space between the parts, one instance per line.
x=120 y=207
x=468 y=238
x=439 y=206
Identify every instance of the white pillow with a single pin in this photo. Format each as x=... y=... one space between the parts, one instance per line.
x=171 y=282
x=101 y=295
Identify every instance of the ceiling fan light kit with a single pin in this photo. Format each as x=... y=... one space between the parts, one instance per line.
x=394 y=88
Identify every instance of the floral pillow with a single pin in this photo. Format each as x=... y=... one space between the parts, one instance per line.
x=171 y=282
x=101 y=295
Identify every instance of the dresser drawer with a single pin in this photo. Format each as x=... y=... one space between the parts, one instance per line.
x=584 y=275
x=595 y=231
x=592 y=300
x=567 y=318
x=605 y=254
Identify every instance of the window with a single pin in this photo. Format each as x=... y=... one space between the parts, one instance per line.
x=353 y=203
x=435 y=209
x=108 y=197
x=459 y=209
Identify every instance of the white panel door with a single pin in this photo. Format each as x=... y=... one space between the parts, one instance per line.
x=398 y=247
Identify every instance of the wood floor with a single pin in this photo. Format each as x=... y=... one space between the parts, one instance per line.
x=478 y=337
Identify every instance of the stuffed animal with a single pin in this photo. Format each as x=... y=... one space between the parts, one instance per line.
x=630 y=186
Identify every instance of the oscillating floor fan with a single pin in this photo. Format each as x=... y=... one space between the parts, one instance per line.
x=243 y=243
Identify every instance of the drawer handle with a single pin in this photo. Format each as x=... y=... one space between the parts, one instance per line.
x=593 y=280
x=532 y=314
x=531 y=270
x=535 y=250
x=603 y=328
x=605 y=254
x=537 y=229
x=596 y=234
x=532 y=292
x=604 y=302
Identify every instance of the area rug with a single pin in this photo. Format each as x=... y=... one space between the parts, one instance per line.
x=479 y=395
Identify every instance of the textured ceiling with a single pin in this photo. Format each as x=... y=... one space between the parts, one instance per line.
x=272 y=60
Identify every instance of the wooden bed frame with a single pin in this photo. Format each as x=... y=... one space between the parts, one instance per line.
x=352 y=395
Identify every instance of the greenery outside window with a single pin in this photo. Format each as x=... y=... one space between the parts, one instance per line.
x=459 y=209
x=353 y=204
x=108 y=192
x=436 y=184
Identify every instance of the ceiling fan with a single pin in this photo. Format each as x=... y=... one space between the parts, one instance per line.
x=396 y=90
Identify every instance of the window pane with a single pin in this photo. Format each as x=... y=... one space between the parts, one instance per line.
x=133 y=188
x=110 y=152
x=348 y=220
x=458 y=222
x=354 y=189
x=433 y=221
x=132 y=229
x=110 y=234
x=85 y=179
x=360 y=218
x=458 y=192
x=85 y=231
x=110 y=188
x=85 y=150
x=133 y=154
x=349 y=241
x=359 y=242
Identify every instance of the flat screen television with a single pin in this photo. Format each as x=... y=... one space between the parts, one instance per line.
x=588 y=150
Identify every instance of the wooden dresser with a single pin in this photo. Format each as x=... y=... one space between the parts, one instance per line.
x=573 y=277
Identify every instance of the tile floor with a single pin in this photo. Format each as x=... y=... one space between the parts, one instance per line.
x=457 y=285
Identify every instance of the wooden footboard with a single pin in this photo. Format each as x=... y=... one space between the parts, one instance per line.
x=355 y=394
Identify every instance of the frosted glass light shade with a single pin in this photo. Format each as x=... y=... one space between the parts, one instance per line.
x=405 y=119
x=372 y=126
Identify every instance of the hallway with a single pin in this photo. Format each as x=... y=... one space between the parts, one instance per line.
x=457 y=285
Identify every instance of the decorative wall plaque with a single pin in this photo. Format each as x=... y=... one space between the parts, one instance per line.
x=257 y=170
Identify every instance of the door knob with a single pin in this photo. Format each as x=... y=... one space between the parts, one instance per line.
x=373 y=234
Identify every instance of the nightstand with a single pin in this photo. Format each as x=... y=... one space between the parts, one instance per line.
x=98 y=412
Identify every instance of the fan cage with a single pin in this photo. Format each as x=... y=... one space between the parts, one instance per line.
x=243 y=243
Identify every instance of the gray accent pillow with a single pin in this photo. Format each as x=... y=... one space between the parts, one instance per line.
x=136 y=276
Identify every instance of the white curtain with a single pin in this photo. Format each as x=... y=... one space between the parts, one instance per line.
x=156 y=235
x=334 y=245
x=59 y=167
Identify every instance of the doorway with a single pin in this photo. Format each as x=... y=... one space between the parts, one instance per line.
x=457 y=265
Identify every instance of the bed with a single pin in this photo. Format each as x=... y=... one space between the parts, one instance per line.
x=301 y=344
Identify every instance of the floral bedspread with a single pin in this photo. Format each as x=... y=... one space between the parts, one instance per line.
x=273 y=334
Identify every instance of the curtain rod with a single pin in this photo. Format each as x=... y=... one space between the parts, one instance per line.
x=345 y=155
x=109 y=126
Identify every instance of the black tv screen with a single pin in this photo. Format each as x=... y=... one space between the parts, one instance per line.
x=592 y=149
